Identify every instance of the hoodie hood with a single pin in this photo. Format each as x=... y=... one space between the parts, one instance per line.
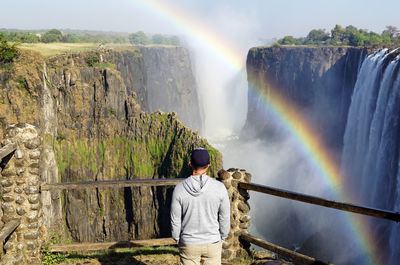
x=196 y=185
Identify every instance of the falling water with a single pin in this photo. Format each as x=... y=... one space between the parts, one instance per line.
x=371 y=148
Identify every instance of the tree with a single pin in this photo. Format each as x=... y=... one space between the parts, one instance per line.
x=139 y=38
x=288 y=40
x=158 y=39
x=337 y=34
x=392 y=31
x=8 y=52
x=53 y=35
x=317 y=36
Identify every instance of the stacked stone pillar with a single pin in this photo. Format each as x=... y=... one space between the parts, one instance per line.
x=233 y=247
x=20 y=199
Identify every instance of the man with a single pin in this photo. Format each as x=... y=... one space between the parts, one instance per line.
x=200 y=214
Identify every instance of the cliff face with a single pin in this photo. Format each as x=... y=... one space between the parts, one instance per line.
x=94 y=128
x=171 y=88
x=319 y=81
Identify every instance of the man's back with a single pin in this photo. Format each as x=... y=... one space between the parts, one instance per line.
x=200 y=211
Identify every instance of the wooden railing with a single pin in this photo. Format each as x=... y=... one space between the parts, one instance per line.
x=10 y=226
x=7 y=150
x=110 y=184
x=295 y=256
x=384 y=214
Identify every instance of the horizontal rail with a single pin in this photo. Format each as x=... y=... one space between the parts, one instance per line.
x=298 y=258
x=8 y=228
x=384 y=214
x=6 y=150
x=81 y=247
x=110 y=184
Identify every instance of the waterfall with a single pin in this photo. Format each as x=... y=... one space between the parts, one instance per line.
x=370 y=158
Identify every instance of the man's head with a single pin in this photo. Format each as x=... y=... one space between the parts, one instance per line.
x=199 y=158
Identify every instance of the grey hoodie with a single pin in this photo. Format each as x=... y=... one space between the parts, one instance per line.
x=200 y=211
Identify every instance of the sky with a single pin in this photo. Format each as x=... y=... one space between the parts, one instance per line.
x=261 y=19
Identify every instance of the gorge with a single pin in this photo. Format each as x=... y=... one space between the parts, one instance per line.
x=350 y=98
x=99 y=116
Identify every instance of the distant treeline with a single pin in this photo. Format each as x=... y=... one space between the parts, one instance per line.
x=55 y=35
x=349 y=35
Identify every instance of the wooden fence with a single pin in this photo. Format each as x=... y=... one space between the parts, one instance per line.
x=9 y=227
x=295 y=256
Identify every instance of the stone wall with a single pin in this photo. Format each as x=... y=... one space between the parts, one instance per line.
x=233 y=247
x=20 y=189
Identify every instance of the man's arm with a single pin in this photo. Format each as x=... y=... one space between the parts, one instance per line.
x=176 y=212
x=224 y=215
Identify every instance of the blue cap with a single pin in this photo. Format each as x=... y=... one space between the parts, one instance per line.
x=199 y=157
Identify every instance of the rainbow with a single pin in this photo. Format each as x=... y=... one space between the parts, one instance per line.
x=284 y=111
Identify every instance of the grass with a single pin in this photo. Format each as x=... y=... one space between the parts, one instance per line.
x=138 y=256
x=166 y=255
x=51 y=49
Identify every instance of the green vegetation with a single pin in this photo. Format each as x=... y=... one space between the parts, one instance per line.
x=140 y=38
x=349 y=35
x=68 y=36
x=50 y=258
x=8 y=52
x=92 y=59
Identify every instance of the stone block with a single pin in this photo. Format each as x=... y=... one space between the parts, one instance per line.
x=34 y=154
x=18 y=154
x=237 y=175
x=8 y=208
x=32 y=190
x=244 y=225
x=19 y=163
x=8 y=172
x=34 y=225
x=245 y=218
x=7 y=190
x=226 y=244
x=19 y=246
x=32 y=235
x=35 y=206
x=34 y=165
x=8 y=198
x=21 y=211
x=247 y=177
x=6 y=182
x=33 y=216
x=226 y=254
x=227 y=183
x=31 y=245
x=243 y=207
x=33 y=143
x=34 y=171
x=18 y=190
x=223 y=174
x=20 y=199
x=20 y=171
x=20 y=181
x=34 y=198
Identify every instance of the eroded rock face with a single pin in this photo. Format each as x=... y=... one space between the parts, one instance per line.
x=94 y=128
x=319 y=81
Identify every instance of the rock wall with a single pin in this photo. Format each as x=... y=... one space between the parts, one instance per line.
x=319 y=81
x=172 y=88
x=233 y=247
x=93 y=127
x=20 y=200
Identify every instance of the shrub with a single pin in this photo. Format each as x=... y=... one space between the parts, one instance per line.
x=92 y=60
x=8 y=52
